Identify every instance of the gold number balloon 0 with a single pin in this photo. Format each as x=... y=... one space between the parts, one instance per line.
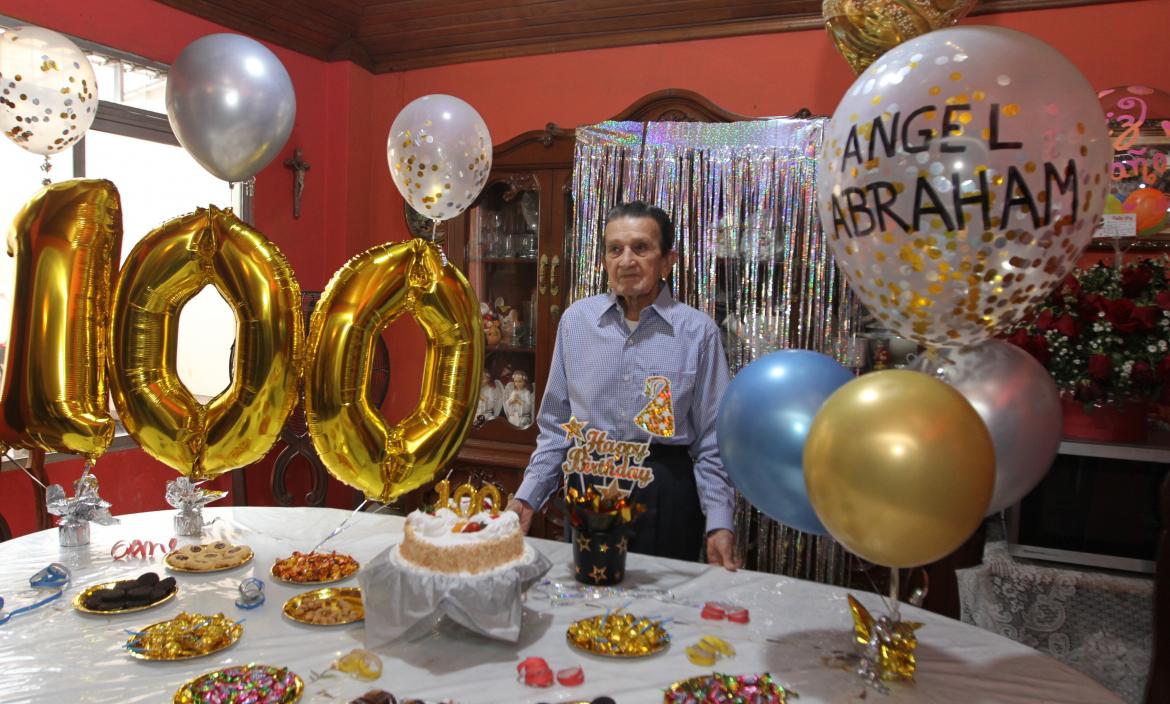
x=67 y=241
x=164 y=271
x=365 y=295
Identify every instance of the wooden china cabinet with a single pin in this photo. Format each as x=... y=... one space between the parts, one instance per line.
x=511 y=244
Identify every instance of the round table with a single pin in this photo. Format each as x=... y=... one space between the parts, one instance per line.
x=797 y=631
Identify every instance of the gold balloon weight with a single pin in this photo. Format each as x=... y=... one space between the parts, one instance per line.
x=887 y=646
x=863 y=30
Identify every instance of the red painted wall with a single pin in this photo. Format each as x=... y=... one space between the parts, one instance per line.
x=332 y=126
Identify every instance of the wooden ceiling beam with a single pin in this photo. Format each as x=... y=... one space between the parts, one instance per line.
x=397 y=35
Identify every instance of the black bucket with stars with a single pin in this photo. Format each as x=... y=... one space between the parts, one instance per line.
x=599 y=558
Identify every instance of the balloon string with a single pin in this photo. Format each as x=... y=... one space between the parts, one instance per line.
x=46 y=167
x=25 y=469
x=345 y=524
x=892 y=602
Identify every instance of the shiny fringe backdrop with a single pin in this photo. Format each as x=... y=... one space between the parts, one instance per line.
x=752 y=255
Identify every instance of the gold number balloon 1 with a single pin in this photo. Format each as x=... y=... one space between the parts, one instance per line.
x=365 y=295
x=899 y=468
x=67 y=241
x=164 y=271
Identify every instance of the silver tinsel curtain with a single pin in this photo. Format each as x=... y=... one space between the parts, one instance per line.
x=752 y=255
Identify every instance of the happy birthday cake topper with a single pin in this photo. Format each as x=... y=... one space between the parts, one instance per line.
x=594 y=454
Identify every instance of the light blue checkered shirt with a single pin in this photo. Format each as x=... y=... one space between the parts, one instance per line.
x=598 y=373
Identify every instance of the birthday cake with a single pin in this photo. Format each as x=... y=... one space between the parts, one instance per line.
x=444 y=541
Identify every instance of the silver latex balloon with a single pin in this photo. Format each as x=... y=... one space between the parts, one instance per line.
x=231 y=104
x=1018 y=402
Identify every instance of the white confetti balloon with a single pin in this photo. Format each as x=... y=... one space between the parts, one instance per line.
x=966 y=170
x=48 y=91
x=440 y=154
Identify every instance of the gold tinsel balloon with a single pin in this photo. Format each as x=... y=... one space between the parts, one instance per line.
x=863 y=30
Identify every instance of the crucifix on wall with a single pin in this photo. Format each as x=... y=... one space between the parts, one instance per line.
x=299 y=167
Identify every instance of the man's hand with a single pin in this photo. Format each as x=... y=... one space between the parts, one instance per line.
x=523 y=510
x=720 y=548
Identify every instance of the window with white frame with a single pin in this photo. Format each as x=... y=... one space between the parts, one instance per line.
x=131 y=143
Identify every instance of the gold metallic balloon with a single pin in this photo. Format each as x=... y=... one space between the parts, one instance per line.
x=899 y=468
x=164 y=271
x=67 y=240
x=863 y=30
x=366 y=295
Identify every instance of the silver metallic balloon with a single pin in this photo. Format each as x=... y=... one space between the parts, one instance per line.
x=1018 y=402
x=231 y=104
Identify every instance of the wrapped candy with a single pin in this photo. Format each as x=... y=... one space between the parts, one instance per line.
x=189 y=498
x=728 y=689
x=887 y=646
x=75 y=513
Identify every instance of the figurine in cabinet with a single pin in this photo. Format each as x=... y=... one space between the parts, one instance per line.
x=490 y=394
x=518 y=400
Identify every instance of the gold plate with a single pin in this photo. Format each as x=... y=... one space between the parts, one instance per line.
x=622 y=636
x=188 y=693
x=234 y=634
x=329 y=594
x=247 y=557
x=272 y=571
x=79 y=600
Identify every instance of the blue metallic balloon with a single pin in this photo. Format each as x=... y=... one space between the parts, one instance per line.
x=763 y=422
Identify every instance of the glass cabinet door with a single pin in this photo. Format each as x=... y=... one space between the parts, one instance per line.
x=502 y=264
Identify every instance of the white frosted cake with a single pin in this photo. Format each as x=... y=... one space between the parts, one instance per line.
x=446 y=542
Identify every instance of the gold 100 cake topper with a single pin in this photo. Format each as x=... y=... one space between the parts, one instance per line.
x=485 y=498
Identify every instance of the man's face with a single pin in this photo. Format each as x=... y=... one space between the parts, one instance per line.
x=634 y=259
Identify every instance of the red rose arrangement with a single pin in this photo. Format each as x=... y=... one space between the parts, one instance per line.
x=1104 y=333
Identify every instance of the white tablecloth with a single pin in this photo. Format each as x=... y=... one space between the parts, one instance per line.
x=58 y=655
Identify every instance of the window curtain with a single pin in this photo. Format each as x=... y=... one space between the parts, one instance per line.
x=752 y=255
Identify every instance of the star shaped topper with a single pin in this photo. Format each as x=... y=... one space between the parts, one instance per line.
x=612 y=491
x=573 y=429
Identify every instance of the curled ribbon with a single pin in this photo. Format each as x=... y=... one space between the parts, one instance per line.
x=571 y=676
x=535 y=672
x=251 y=593
x=55 y=576
x=361 y=663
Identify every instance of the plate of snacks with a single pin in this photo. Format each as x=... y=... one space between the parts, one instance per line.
x=334 y=606
x=314 y=568
x=258 y=684
x=618 y=635
x=208 y=557
x=184 y=636
x=125 y=596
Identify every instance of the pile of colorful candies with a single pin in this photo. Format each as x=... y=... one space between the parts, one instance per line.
x=619 y=634
x=312 y=567
x=728 y=689
x=243 y=684
x=185 y=636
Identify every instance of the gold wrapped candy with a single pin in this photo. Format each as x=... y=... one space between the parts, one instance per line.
x=620 y=635
x=185 y=636
x=887 y=645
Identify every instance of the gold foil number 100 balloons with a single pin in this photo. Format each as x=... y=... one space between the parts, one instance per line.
x=66 y=331
x=164 y=271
